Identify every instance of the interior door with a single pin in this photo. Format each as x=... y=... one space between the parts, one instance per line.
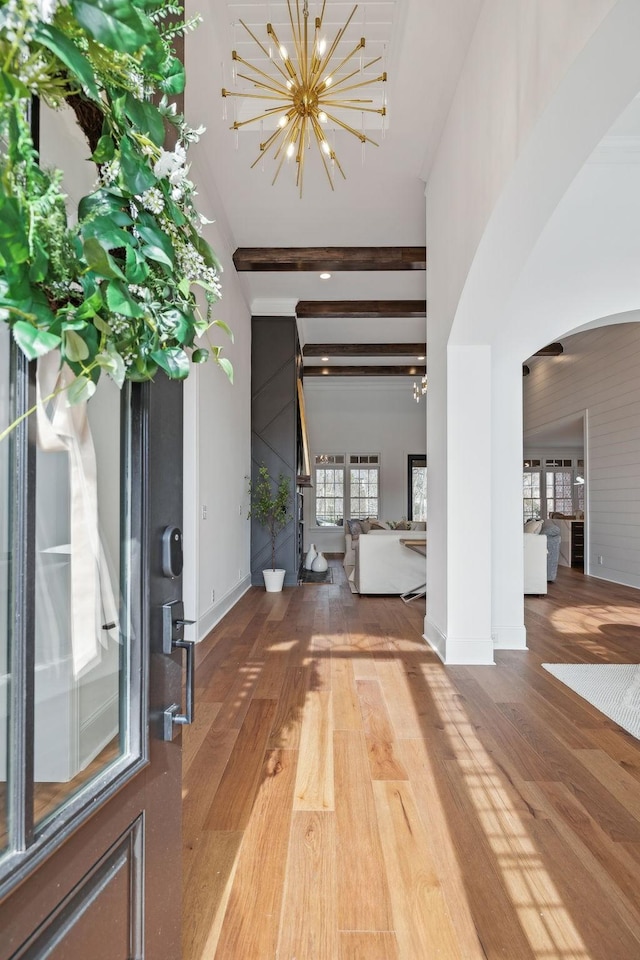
x=90 y=693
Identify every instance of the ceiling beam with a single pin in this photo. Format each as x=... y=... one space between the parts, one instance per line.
x=330 y=258
x=364 y=350
x=551 y=350
x=364 y=309
x=399 y=371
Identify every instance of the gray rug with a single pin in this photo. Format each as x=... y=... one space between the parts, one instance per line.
x=308 y=576
x=613 y=688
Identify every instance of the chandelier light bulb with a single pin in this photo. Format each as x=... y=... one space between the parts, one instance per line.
x=322 y=117
x=282 y=122
x=291 y=149
x=328 y=81
x=283 y=53
x=325 y=147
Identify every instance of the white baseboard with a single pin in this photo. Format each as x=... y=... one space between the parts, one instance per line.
x=215 y=613
x=510 y=638
x=459 y=651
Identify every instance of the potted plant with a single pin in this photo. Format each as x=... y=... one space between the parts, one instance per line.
x=270 y=507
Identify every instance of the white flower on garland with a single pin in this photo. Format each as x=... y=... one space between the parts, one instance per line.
x=172 y=165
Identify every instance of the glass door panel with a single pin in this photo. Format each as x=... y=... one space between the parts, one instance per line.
x=5 y=527
x=80 y=641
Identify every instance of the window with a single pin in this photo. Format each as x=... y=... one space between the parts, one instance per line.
x=552 y=486
x=346 y=486
x=363 y=485
x=329 y=489
x=417 y=498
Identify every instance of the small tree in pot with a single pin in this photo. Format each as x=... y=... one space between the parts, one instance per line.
x=270 y=507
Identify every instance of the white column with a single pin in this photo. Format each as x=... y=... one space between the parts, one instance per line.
x=464 y=634
x=506 y=496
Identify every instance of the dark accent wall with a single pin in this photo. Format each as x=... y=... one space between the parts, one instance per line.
x=275 y=358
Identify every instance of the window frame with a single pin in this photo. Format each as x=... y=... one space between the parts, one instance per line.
x=415 y=460
x=345 y=462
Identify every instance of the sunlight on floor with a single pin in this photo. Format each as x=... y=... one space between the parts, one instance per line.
x=541 y=912
x=581 y=619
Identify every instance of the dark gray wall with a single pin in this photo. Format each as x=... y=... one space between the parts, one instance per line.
x=274 y=432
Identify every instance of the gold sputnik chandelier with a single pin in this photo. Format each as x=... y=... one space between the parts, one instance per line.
x=307 y=88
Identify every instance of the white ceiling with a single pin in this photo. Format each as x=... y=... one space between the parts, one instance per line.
x=381 y=203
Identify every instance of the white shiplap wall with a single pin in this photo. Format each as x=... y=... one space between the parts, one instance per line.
x=600 y=375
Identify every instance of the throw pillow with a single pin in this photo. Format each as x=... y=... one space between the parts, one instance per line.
x=403 y=525
x=533 y=526
x=355 y=528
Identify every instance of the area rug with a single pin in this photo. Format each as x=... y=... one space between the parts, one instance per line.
x=612 y=688
x=309 y=576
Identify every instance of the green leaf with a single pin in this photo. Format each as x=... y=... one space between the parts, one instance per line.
x=157 y=245
x=66 y=50
x=40 y=263
x=173 y=361
x=109 y=234
x=11 y=88
x=102 y=325
x=74 y=347
x=90 y=306
x=136 y=269
x=33 y=341
x=103 y=202
x=227 y=366
x=113 y=364
x=200 y=355
x=115 y=23
x=179 y=324
x=120 y=301
x=100 y=260
x=223 y=326
x=14 y=245
x=173 y=77
x=146 y=118
x=80 y=390
x=136 y=175
x=104 y=151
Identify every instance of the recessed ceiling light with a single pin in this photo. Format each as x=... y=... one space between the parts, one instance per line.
x=324 y=359
x=420 y=358
x=325 y=276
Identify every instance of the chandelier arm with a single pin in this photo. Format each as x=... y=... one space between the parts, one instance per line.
x=382 y=78
x=332 y=48
x=347 y=106
x=356 y=86
x=292 y=139
x=320 y=137
x=264 y=147
x=262 y=73
x=297 y=42
x=300 y=155
x=362 y=137
x=290 y=71
x=282 y=95
x=346 y=59
x=237 y=124
x=264 y=49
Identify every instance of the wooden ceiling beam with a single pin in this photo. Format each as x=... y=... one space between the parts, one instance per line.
x=364 y=350
x=275 y=259
x=399 y=371
x=360 y=309
x=551 y=350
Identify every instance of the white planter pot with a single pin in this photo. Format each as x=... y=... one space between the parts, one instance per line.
x=273 y=580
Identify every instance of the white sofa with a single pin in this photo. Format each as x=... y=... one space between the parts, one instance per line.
x=535 y=563
x=377 y=562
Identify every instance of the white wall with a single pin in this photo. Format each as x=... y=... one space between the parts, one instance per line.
x=600 y=376
x=217 y=436
x=368 y=415
x=541 y=85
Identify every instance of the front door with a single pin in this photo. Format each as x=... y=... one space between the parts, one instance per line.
x=90 y=762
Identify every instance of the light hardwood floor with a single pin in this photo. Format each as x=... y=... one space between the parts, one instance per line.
x=346 y=797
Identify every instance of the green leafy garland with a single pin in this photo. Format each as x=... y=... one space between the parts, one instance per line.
x=115 y=291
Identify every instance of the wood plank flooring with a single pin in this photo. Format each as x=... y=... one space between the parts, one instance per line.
x=346 y=797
